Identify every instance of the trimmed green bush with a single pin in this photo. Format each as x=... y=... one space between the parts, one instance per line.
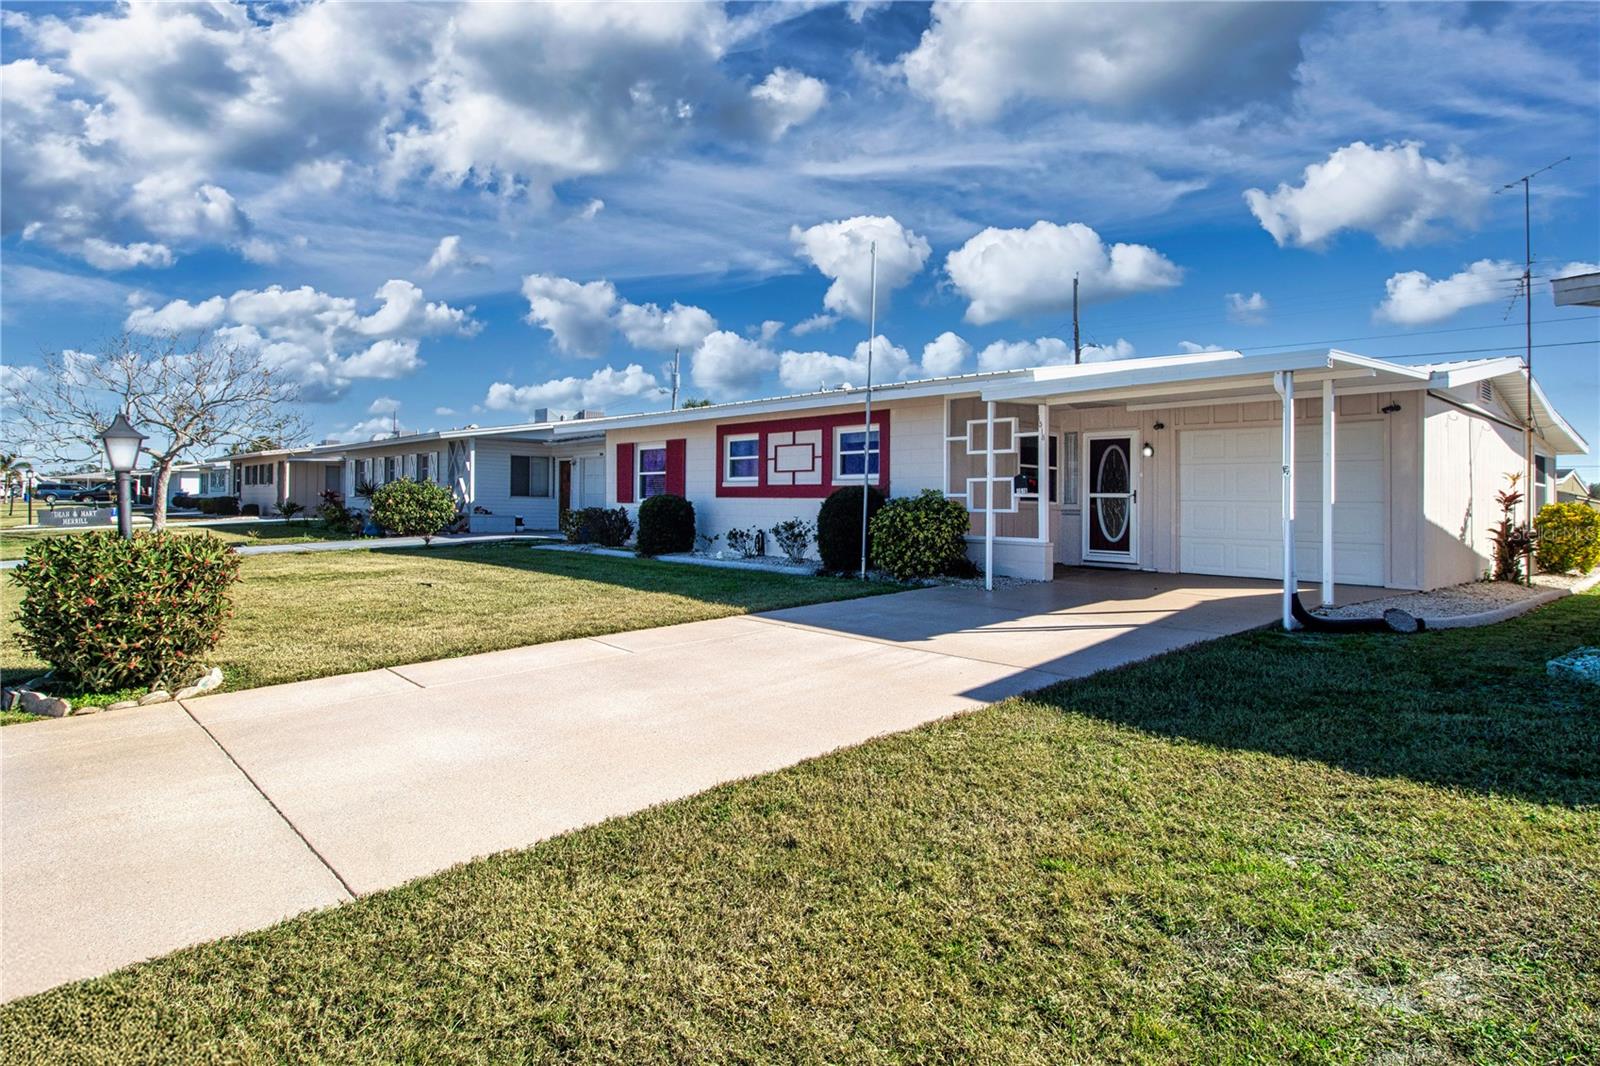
x=409 y=508
x=1569 y=538
x=839 y=527
x=666 y=525
x=108 y=613
x=921 y=536
x=609 y=527
x=219 y=505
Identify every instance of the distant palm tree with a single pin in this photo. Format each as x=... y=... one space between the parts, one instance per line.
x=11 y=471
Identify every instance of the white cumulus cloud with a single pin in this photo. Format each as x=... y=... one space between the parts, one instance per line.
x=840 y=251
x=578 y=316
x=1247 y=310
x=727 y=364
x=1395 y=193
x=606 y=386
x=106 y=255
x=787 y=98
x=1415 y=299
x=1046 y=351
x=945 y=354
x=449 y=255
x=809 y=371
x=649 y=328
x=1005 y=273
x=814 y=323
x=322 y=341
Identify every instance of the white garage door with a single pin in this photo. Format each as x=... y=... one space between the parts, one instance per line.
x=1229 y=516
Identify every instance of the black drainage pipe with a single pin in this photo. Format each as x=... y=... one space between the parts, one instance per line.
x=1394 y=620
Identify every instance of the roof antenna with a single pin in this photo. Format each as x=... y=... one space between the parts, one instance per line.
x=1526 y=181
x=1077 y=348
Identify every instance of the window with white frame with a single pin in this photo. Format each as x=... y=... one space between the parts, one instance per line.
x=1028 y=464
x=741 y=458
x=422 y=466
x=530 y=475
x=855 y=456
x=390 y=471
x=651 y=470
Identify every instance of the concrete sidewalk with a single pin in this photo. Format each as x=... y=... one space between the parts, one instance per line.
x=129 y=834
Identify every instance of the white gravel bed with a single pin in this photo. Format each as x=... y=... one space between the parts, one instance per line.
x=1472 y=598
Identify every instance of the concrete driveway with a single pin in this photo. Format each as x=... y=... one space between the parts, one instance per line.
x=126 y=835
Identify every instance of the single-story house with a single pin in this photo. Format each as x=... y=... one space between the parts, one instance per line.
x=1570 y=488
x=1385 y=474
x=205 y=479
x=505 y=477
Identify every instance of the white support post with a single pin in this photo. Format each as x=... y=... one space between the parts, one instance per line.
x=1044 y=473
x=988 y=499
x=284 y=488
x=472 y=473
x=1283 y=381
x=1328 y=488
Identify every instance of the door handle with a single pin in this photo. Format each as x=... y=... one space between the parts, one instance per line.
x=1135 y=496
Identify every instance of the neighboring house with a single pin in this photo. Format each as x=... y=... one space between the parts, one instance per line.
x=1570 y=488
x=512 y=472
x=1172 y=464
x=211 y=477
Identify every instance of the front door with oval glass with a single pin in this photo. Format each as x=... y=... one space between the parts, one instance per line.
x=1111 y=513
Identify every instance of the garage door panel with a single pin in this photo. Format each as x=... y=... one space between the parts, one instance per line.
x=1229 y=482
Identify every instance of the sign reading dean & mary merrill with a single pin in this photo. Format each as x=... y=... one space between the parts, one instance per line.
x=76 y=517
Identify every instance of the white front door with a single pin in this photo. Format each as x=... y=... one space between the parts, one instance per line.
x=1111 y=498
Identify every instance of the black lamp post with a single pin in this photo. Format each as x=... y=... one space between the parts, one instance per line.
x=122 y=443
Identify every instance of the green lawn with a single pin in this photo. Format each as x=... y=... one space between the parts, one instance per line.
x=1270 y=848
x=310 y=615
x=14 y=543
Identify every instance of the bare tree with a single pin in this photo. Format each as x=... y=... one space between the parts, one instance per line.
x=186 y=396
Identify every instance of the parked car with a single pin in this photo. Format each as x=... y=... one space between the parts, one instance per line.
x=52 y=492
x=101 y=493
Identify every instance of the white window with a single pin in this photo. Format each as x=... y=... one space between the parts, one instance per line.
x=1069 y=483
x=741 y=460
x=1028 y=465
x=651 y=462
x=854 y=455
x=530 y=475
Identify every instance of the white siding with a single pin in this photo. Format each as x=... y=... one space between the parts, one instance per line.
x=916 y=462
x=494 y=479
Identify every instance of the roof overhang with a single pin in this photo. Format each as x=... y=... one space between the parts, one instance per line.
x=1579 y=290
x=1211 y=377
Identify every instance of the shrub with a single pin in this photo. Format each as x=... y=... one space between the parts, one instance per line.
x=794 y=537
x=409 y=508
x=251 y=509
x=338 y=518
x=747 y=542
x=182 y=501
x=1569 y=537
x=921 y=536
x=1511 y=541
x=666 y=525
x=108 y=613
x=839 y=527
x=607 y=527
x=219 y=505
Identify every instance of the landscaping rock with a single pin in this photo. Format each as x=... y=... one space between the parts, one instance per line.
x=37 y=703
x=91 y=709
x=1582 y=665
x=209 y=680
x=8 y=698
x=159 y=695
x=122 y=705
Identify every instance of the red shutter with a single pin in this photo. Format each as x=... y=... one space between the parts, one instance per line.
x=675 y=472
x=624 y=473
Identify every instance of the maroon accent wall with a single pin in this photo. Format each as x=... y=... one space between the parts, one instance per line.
x=675 y=463
x=625 y=485
x=826 y=423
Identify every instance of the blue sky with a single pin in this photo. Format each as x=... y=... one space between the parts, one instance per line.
x=463 y=213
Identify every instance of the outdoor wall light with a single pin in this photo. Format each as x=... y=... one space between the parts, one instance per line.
x=1159 y=425
x=1391 y=408
x=1149 y=449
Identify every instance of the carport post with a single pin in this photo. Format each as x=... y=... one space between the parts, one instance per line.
x=1328 y=449
x=988 y=499
x=1283 y=382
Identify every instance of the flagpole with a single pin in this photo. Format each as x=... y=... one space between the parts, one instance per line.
x=866 y=446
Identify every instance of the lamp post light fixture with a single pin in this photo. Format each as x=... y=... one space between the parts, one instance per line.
x=122 y=443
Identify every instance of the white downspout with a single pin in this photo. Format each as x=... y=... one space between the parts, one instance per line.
x=988 y=500
x=1043 y=498
x=1328 y=449
x=1283 y=382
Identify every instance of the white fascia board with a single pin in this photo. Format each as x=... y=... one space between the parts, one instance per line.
x=1455 y=375
x=1166 y=371
x=1553 y=419
x=895 y=390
